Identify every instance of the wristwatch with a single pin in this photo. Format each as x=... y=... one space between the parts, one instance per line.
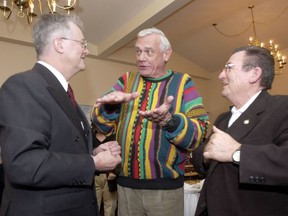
x=236 y=156
x=170 y=122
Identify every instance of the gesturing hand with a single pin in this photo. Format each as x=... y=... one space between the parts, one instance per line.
x=161 y=114
x=116 y=97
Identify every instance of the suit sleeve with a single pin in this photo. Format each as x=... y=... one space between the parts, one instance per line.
x=265 y=164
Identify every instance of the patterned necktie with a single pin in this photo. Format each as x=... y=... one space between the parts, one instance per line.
x=71 y=96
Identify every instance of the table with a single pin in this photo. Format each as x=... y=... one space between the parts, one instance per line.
x=191 y=196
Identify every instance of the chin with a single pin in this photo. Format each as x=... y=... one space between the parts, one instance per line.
x=144 y=73
x=224 y=93
x=82 y=67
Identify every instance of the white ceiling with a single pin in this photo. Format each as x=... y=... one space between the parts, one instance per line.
x=190 y=28
x=192 y=35
x=113 y=24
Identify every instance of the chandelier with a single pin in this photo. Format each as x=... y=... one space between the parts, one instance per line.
x=28 y=8
x=280 y=60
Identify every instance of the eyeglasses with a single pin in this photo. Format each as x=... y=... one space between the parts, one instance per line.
x=83 y=42
x=230 y=66
x=147 y=52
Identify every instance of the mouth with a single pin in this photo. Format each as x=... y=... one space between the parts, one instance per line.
x=142 y=67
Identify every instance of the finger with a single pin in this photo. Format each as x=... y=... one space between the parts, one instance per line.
x=167 y=104
x=98 y=104
x=134 y=95
x=119 y=159
x=216 y=130
x=206 y=155
x=169 y=99
x=130 y=97
x=112 y=143
x=116 y=149
x=160 y=112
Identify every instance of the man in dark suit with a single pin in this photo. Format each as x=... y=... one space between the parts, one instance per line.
x=246 y=155
x=47 y=147
x=1 y=178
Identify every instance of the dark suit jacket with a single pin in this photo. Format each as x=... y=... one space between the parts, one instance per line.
x=46 y=152
x=258 y=186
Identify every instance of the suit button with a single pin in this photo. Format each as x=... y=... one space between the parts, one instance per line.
x=76 y=182
x=93 y=202
x=256 y=179
x=203 y=205
x=77 y=139
x=262 y=180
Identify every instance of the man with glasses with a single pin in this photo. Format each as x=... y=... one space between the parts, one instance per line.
x=46 y=140
x=157 y=115
x=245 y=158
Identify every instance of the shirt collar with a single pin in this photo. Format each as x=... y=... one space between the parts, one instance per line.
x=246 y=105
x=56 y=73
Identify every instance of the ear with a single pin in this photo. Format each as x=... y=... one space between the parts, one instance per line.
x=167 y=55
x=57 y=44
x=255 y=75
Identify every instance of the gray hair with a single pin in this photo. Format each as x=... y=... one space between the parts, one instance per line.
x=50 y=26
x=164 y=42
x=259 y=57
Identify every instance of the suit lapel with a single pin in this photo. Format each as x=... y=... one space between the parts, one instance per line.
x=87 y=129
x=58 y=93
x=244 y=124
x=249 y=119
x=221 y=123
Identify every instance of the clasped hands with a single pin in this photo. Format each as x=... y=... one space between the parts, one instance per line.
x=159 y=115
x=220 y=146
x=107 y=156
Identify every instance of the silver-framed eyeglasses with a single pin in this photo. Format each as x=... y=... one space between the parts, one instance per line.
x=230 y=66
x=84 y=43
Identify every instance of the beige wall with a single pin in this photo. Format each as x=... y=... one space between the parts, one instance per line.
x=88 y=85
x=14 y=58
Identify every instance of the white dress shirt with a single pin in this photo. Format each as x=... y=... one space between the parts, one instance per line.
x=237 y=113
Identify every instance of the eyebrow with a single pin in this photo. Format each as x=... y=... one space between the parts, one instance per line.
x=137 y=47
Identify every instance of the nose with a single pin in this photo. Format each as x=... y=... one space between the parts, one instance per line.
x=142 y=56
x=222 y=74
x=86 y=51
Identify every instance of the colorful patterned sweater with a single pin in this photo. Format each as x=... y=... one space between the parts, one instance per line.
x=153 y=157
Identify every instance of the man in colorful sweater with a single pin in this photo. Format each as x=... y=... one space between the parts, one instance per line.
x=157 y=115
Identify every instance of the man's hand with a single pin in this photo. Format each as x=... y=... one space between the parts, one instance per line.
x=161 y=114
x=116 y=97
x=111 y=146
x=105 y=161
x=107 y=156
x=220 y=147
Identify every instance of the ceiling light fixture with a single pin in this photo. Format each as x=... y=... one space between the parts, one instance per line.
x=280 y=60
x=27 y=7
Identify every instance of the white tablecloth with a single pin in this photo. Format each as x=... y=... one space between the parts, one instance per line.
x=191 y=196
